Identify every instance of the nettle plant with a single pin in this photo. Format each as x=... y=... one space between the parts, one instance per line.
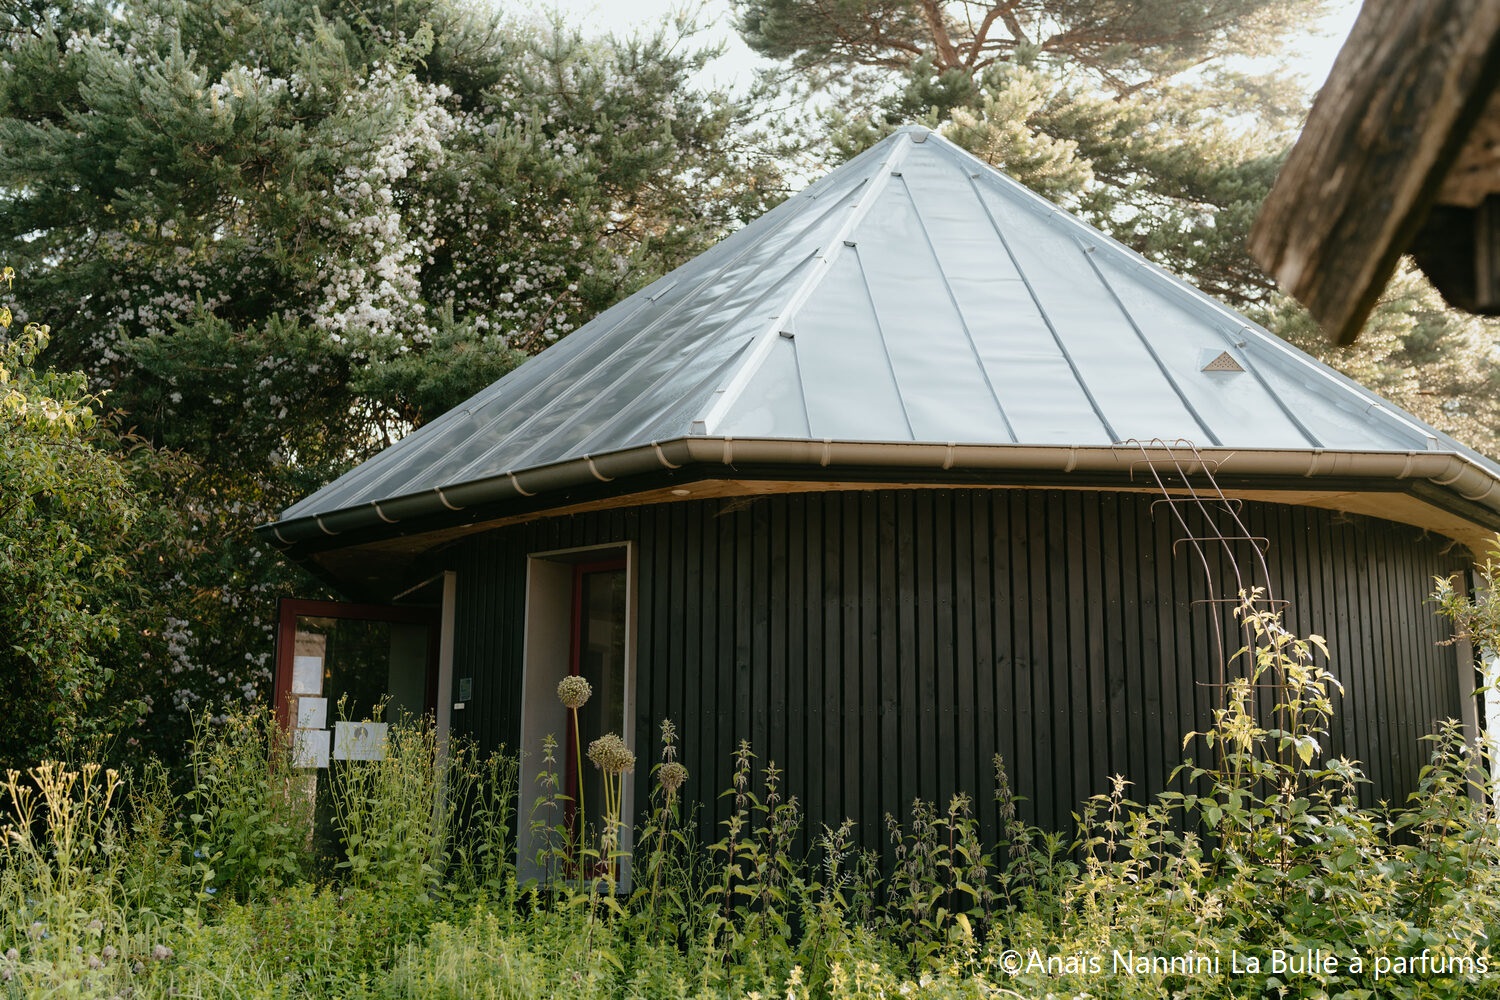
x=1270 y=847
x=1261 y=843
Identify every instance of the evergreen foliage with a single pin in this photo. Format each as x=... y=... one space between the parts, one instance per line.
x=281 y=234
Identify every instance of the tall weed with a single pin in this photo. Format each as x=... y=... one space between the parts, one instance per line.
x=251 y=811
x=1262 y=845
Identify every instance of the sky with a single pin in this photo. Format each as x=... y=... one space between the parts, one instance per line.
x=733 y=69
x=1313 y=59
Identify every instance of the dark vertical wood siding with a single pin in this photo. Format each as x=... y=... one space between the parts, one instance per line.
x=885 y=645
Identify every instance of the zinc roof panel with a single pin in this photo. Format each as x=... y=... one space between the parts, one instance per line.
x=964 y=308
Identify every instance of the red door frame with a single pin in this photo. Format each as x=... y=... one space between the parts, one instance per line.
x=288 y=610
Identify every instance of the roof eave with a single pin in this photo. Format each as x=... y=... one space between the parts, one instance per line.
x=1455 y=480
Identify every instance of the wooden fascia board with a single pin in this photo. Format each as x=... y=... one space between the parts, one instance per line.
x=379 y=569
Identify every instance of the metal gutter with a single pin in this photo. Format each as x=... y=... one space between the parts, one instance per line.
x=1456 y=476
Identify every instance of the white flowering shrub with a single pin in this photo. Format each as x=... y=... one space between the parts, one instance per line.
x=281 y=234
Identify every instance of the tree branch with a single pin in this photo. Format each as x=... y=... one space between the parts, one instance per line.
x=980 y=34
x=947 y=53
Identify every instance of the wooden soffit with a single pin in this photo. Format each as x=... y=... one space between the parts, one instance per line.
x=380 y=570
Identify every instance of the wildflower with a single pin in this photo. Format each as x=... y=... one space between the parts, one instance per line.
x=573 y=691
x=94 y=962
x=161 y=953
x=671 y=777
x=110 y=953
x=668 y=741
x=12 y=954
x=610 y=755
x=96 y=926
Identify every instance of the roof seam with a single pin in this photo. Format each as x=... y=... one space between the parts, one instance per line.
x=400 y=459
x=1140 y=335
x=984 y=372
x=1324 y=375
x=666 y=344
x=837 y=243
x=1260 y=379
x=801 y=387
x=659 y=321
x=1363 y=396
x=1042 y=312
x=885 y=347
x=666 y=376
x=408 y=455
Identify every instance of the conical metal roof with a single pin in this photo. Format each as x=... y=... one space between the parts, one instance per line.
x=913 y=295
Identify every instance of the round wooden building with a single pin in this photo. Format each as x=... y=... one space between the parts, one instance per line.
x=915 y=470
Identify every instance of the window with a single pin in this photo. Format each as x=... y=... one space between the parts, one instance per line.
x=333 y=657
x=580 y=619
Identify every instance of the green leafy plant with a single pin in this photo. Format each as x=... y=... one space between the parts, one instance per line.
x=251 y=811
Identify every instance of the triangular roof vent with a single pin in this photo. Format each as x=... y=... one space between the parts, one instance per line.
x=1223 y=363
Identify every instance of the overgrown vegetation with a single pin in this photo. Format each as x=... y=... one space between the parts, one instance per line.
x=1267 y=879
x=82 y=539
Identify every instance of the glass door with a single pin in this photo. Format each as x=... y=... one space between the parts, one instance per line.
x=597 y=654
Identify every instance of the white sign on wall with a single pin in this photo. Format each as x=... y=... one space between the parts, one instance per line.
x=310 y=748
x=359 y=740
x=307 y=675
x=312 y=713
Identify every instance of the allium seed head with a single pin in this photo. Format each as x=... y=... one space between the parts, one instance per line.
x=573 y=691
x=610 y=755
x=671 y=776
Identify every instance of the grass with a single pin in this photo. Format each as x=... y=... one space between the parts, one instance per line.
x=397 y=878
